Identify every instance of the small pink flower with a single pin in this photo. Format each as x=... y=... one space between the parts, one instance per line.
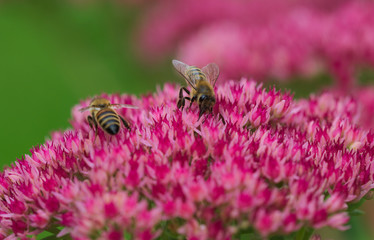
x=115 y=235
x=267 y=222
x=40 y=219
x=290 y=222
x=145 y=235
x=67 y=219
x=18 y=226
x=17 y=207
x=196 y=191
x=245 y=201
x=110 y=210
x=260 y=115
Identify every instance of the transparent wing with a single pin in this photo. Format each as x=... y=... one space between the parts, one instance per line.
x=181 y=68
x=86 y=108
x=119 y=105
x=212 y=72
x=91 y=107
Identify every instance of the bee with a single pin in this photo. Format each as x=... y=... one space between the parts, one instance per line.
x=202 y=82
x=104 y=115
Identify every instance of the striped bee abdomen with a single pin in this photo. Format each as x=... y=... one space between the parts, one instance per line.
x=108 y=120
x=195 y=74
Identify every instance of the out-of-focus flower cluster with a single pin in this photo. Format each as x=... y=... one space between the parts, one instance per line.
x=261 y=162
x=266 y=38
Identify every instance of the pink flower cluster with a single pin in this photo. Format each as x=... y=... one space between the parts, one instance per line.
x=266 y=39
x=261 y=161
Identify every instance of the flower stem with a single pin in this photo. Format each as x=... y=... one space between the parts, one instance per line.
x=304 y=233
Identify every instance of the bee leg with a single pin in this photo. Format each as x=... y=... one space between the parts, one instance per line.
x=181 y=99
x=200 y=114
x=205 y=117
x=90 y=121
x=191 y=101
x=222 y=119
x=93 y=124
x=125 y=123
x=182 y=102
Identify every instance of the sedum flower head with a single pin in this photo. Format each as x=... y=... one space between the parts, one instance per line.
x=262 y=162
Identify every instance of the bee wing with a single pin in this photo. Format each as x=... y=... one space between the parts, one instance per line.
x=212 y=72
x=181 y=68
x=91 y=107
x=86 y=108
x=119 y=105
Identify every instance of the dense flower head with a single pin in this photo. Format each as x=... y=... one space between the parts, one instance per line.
x=260 y=161
x=266 y=39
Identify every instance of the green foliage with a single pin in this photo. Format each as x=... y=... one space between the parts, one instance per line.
x=304 y=233
x=355 y=205
x=127 y=236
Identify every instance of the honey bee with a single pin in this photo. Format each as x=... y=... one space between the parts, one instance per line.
x=104 y=115
x=202 y=82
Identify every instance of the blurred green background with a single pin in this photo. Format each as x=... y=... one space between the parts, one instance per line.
x=55 y=53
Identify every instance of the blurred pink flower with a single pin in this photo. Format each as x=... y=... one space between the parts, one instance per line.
x=365 y=96
x=261 y=160
x=265 y=39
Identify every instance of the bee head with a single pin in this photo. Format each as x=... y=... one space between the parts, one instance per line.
x=99 y=102
x=206 y=104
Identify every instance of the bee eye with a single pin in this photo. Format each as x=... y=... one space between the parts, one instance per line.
x=202 y=98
